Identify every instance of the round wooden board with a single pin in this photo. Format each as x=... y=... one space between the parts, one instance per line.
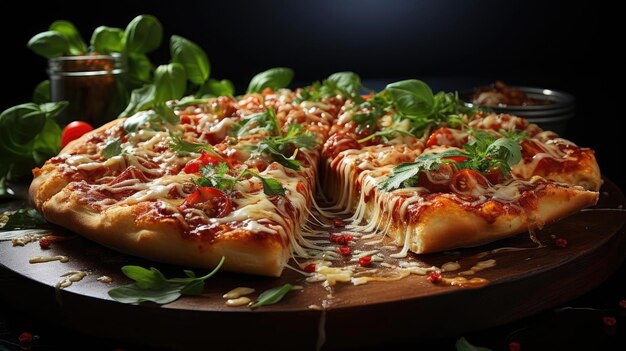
x=522 y=283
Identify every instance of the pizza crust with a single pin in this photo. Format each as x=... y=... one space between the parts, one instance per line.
x=446 y=224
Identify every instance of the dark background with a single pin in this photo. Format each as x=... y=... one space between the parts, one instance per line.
x=449 y=44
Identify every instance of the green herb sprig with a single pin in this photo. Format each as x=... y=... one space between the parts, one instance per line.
x=151 y=285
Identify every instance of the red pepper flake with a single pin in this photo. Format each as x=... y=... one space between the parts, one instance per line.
x=338 y=222
x=44 y=243
x=365 y=261
x=609 y=321
x=345 y=250
x=560 y=242
x=622 y=304
x=310 y=268
x=515 y=346
x=26 y=340
x=435 y=277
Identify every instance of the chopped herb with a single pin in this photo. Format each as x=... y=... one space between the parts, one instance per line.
x=406 y=174
x=514 y=134
x=276 y=148
x=151 y=285
x=386 y=134
x=272 y=296
x=180 y=146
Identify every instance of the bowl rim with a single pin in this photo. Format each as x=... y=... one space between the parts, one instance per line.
x=562 y=100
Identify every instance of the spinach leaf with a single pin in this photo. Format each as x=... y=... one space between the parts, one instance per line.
x=273 y=78
x=24 y=218
x=272 y=296
x=151 y=285
x=170 y=82
x=49 y=44
x=192 y=58
x=143 y=34
x=67 y=29
x=42 y=92
x=106 y=40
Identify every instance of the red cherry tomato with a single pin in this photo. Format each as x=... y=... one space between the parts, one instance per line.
x=441 y=136
x=437 y=181
x=74 y=131
x=214 y=202
x=193 y=166
x=468 y=182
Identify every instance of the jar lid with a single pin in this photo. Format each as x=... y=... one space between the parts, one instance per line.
x=86 y=65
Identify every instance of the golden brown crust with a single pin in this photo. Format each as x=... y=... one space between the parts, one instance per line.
x=446 y=224
x=118 y=228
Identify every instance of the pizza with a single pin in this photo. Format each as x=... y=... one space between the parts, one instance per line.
x=236 y=177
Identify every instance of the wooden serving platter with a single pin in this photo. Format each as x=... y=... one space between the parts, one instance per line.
x=522 y=283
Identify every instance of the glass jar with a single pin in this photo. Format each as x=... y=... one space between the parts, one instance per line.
x=93 y=86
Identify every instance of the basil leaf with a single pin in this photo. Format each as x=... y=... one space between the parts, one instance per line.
x=133 y=294
x=76 y=44
x=151 y=285
x=145 y=278
x=140 y=99
x=24 y=218
x=139 y=68
x=192 y=58
x=160 y=116
x=272 y=296
x=348 y=84
x=143 y=34
x=106 y=40
x=113 y=148
x=166 y=114
x=412 y=97
x=49 y=44
x=51 y=109
x=274 y=78
x=214 y=88
x=42 y=92
x=138 y=120
x=189 y=100
x=170 y=82
x=47 y=143
x=463 y=345
x=271 y=186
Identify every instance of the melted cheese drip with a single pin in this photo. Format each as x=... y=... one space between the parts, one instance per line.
x=238 y=292
x=69 y=278
x=42 y=259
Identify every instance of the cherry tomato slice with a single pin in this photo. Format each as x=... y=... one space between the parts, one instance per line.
x=468 y=182
x=440 y=137
x=214 y=202
x=73 y=131
x=193 y=166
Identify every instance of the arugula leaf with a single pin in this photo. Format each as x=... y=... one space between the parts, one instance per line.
x=151 y=285
x=406 y=174
x=276 y=147
x=180 y=146
x=272 y=296
x=170 y=82
x=217 y=177
x=386 y=134
x=143 y=34
x=76 y=44
x=41 y=94
x=106 y=40
x=113 y=148
x=274 y=78
x=24 y=218
x=214 y=88
x=49 y=44
x=191 y=57
x=252 y=124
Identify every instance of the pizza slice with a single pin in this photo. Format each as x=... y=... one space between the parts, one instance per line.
x=230 y=178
